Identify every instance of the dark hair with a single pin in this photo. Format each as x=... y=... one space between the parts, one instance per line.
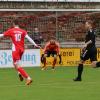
x=16 y=22
x=92 y=23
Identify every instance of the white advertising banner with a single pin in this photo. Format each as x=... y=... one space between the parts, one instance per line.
x=30 y=58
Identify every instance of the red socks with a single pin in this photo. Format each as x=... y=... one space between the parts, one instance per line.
x=22 y=72
x=54 y=62
x=44 y=62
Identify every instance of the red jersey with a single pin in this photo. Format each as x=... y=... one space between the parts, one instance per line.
x=50 y=47
x=17 y=36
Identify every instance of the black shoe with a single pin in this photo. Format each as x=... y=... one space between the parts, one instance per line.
x=20 y=77
x=77 y=79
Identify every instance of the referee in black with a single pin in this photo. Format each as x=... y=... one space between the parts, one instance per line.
x=89 y=50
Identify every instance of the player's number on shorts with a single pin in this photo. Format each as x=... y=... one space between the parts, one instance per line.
x=18 y=37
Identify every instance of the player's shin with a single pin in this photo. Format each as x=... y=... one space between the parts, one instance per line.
x=54 y=62
x=25 y=75
x=80 y=70
x=22 y=72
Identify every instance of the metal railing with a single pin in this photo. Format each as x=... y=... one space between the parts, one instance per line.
x=54 y=0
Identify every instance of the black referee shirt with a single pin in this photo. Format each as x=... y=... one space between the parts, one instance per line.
x=90 y=35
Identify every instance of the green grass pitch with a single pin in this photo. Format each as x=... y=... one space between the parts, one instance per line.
x=50 y=85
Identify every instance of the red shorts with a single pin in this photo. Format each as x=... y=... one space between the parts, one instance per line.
x=17 y=55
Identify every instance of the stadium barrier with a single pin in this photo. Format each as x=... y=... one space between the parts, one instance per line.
x=70 y=57
x=31 y=58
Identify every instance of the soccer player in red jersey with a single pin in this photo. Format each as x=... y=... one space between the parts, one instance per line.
x=51 y=48
x=17 y=36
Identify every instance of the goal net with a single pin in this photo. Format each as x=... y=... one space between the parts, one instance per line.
x=64 y=25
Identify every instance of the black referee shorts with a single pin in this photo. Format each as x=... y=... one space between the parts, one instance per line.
x=90 y=53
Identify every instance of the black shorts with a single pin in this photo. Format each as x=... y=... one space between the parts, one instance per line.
x=89 y=54
x=52 y=53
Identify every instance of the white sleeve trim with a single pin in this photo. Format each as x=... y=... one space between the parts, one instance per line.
x=30 y=40
x=1 y=35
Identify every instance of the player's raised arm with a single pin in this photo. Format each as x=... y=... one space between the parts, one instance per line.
x=31 y=41
x=85 y=45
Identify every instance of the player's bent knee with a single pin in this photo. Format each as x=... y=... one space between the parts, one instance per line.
x=81 y=62
x=55 y=56
x=17 y=64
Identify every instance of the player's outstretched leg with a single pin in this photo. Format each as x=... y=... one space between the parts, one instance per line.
x=80 y=70
x=98 y=64
x=95 y=64
x=25 y=75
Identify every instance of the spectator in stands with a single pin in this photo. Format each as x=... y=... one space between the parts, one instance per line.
x=37 y=36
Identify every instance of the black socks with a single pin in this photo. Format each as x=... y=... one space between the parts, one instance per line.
x=80 y=70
